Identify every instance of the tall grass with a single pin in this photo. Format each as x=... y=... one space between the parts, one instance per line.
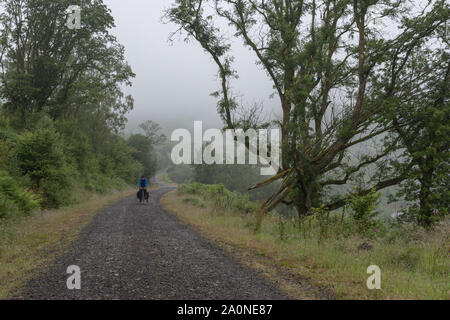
x=329 y=248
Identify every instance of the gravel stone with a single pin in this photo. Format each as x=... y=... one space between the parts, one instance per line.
x=133 y=251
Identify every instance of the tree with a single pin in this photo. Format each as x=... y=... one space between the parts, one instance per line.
x=44 y=63
x=152 y=132
x=324 y=58
x=143 y=153
x=41 y=158
x=61 y=90
x=145 y=146
x=420 y=114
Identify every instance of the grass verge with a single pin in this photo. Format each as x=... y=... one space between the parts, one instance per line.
x=28 y=244
x=303 y=266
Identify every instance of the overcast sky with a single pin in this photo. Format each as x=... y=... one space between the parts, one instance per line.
x=174 y=81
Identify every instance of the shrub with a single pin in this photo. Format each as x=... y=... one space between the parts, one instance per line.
x=193 y=188
x=14 y=198
x=7 y=135
x=243 y=203
x=4 y=154
x=221 y=197
x=363 y=211
x=40 y=156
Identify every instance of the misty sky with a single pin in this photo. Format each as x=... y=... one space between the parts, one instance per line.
x=174 y=81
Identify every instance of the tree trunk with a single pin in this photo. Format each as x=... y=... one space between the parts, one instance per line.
x=425 y=210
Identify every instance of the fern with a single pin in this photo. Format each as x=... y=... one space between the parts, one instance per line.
x=12 y=197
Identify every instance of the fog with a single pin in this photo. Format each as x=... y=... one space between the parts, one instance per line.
x=174 y=80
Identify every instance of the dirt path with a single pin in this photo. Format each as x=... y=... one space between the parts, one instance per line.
x=135 y=251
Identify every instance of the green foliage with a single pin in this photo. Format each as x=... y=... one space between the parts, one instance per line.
x=62 y=106
x=232 y=177
x=243 y=203
x=7 y=136
x=44 y=75
x=393 y=88
x=193 y=188
x=364 y=210
x=55 y=162
x=221 y=197
x=151 y=131
x=421 y=129
x=143 y=147
x=142 y=152
x=14 y=198
x=41 y=157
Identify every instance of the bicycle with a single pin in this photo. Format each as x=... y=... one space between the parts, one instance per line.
x=143 y=195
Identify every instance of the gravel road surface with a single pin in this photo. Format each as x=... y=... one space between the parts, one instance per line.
x=134 y=251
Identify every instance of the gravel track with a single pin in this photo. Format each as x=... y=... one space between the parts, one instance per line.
x=133 y=251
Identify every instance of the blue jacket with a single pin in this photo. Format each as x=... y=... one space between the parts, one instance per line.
x=143 y=183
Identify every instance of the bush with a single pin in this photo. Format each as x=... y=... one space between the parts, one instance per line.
x=4 y=154
x=243 y=203
x=193 y=188
x=14 y=198
x=221 y=197
x=363 y=211
x=7 y=135
x=40 y=156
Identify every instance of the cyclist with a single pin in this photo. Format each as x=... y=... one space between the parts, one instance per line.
x=143 y=184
